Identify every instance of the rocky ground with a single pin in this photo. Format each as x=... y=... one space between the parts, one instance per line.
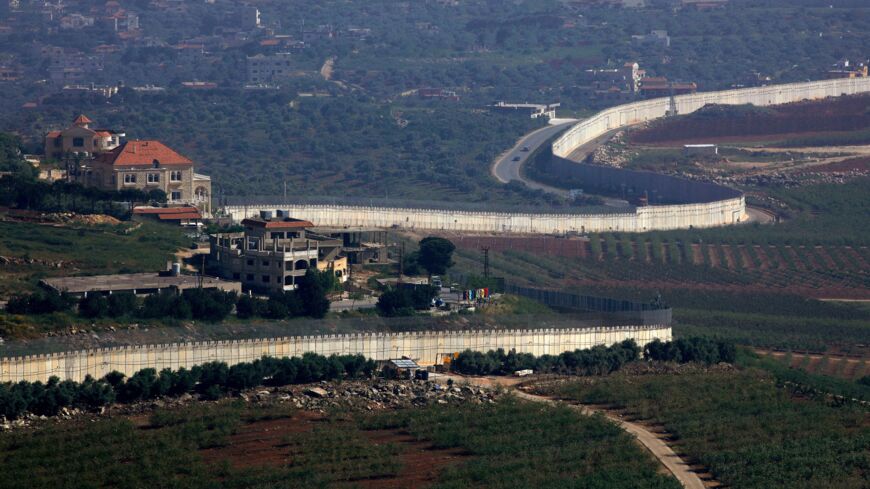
x=357 y=395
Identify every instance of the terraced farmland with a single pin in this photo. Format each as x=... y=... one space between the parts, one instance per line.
x=641 y=261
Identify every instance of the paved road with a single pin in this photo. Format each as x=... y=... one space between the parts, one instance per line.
x=505 y=169
x=648 y=439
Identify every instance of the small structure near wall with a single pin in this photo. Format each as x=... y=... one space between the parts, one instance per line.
x=136 y=283
x=401 y=368
x=700 y=149
x=532 y=110
x=183 y=216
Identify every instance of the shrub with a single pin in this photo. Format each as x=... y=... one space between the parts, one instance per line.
x=93 y=306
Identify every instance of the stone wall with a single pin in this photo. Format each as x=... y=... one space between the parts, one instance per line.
x=425 y=347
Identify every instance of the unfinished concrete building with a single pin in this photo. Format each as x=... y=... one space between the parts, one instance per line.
x=274 y=253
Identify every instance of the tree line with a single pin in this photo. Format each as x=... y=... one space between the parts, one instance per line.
x=598 y=360
x=24 y=192
x=210 y=381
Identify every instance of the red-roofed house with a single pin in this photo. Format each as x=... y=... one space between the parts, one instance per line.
x=151 y=165
x=98 y=158
x=80 y=138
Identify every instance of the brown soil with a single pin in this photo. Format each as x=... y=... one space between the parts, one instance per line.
x=729 y=258
x=851 y=165
x=748 y=263
x=761 y=253
x=852 y=366
x=263 y=444
x=421 y=463
x=713 y=253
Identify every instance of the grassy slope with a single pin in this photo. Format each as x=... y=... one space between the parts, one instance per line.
x=90 y=249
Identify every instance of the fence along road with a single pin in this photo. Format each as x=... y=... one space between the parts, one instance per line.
x=657 y=217
x=427 y=347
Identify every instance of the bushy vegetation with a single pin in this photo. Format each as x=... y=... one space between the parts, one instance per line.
x=213 y=305
x=750 y=433
x=24 y=192
x=210 y=380
x=598 y=360
x=42 y=302
x=404 y=300
x=684 y=350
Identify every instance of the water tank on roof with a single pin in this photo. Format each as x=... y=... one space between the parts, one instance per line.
x=283 y=214
x=265 y=214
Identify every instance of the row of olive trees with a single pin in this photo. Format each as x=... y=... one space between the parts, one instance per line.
x=210 y=381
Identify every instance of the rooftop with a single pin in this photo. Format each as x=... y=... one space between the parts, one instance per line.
x=277 y=223
x=134 y=281
x=140 y=153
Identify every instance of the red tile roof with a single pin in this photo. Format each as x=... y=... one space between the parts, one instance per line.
x=164 y=210
x=52 y=134
x=82 y=119
x=178 y=217
x=139 y=153
x=293 y=224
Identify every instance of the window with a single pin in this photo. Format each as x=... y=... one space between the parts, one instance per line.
x=265 y=263
x=236 y=275
x=129 y=178
x=155 y=164
x=175 y=176
x=153 y=177
x=265 y=279
x=78 y=142
x=250 y=263
x=57 y=142
x=176 y=195
x=249 y=277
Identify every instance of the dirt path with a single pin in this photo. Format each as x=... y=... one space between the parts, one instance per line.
x=659 y=449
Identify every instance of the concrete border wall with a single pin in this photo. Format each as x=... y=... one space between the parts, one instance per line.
x=701 y=212
x=633 y=113
x=425 y=347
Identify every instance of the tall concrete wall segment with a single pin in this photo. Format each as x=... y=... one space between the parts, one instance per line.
x=624 y=115
x=689 y=204
x=426 y=347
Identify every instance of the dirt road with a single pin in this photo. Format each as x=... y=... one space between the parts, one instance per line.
x=648 y=439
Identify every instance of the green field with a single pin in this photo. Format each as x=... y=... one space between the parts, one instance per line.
x=509 y=444
x=748 y=432
x=83 y=250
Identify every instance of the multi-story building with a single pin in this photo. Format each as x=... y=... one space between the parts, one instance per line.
x=80 y=139
x=269 y=68
x=99 y=158
x=272 y=254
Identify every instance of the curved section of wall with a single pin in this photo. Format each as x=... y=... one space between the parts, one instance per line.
x=426 y=347
x=623 y=115
x=700 y=205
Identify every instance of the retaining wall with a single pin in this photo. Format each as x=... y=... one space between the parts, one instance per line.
x=705 y=207
x=425 y=347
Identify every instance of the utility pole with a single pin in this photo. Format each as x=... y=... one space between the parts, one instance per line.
x=401 y=263
x=485 y=250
